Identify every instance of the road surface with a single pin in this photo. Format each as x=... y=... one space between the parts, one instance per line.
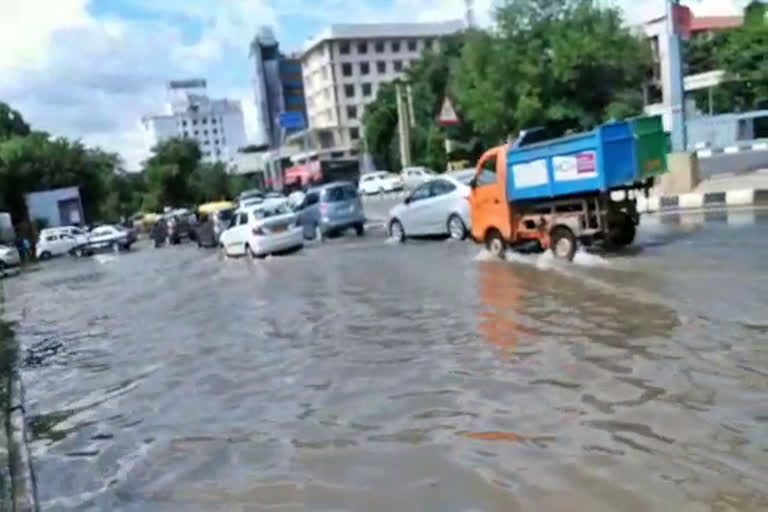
x=363 y=375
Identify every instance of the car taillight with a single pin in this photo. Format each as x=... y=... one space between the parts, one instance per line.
x=323 y=207
x=258 y=231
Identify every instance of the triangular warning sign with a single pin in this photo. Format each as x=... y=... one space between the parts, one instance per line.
x=448 y=116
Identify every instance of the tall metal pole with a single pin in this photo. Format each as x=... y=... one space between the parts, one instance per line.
x=676 y=81
x=404 y=129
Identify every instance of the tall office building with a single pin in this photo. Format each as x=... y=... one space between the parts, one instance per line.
x=277 y=85
x=217 y=125
x=345 y=65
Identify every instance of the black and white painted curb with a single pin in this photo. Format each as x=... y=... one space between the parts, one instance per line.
x=700 y=201
x=739 y=147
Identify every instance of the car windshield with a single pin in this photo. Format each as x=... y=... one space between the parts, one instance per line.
x=342 y=193
x=464 y=177
x=226 y=215
x=273 y=210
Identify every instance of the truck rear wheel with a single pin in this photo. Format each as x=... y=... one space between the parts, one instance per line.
x=495 y=244
x=563 y=243
x=623 y=232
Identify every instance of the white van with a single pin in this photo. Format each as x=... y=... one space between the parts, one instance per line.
x=57 y=241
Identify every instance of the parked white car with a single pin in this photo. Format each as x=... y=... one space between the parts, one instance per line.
x=379 y=182
x=109 y=237
x=415 y=176
x=266 y=228
x=437 y=207
x=57 y=241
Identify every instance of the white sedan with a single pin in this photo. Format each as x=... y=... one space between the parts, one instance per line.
x=437 y=207
x=267 y=228
x=379 y=182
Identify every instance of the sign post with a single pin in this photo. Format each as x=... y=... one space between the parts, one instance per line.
x=448 y=116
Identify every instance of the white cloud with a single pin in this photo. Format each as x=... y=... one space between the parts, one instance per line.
x=72 y=75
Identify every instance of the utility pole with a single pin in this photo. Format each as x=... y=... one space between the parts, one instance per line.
x=676 y=80
x=404 y=127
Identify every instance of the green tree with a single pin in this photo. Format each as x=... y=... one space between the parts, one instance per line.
x=11 y=122
x=743 y=57
x=551 y=61
x=169 y=173
x=210 y=182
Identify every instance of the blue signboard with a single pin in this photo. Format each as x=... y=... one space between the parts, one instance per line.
x=292 y=120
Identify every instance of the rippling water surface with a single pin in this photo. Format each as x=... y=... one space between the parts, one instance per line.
x=366 y=376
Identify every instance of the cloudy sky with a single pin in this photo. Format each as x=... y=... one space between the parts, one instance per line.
x=90 y=69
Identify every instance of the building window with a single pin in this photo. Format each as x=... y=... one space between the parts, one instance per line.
x=428 y=44
x=327 y=94
x=354 y=133
x=398 y=65
x=411 y=45
x=367 y=89
x=395 y=46
x=351 y=111
x=344 y=48
x=195 y=133
x=379 y=46
x=194 y=122
x=205 y=120
x=218 y=152
x=215 y=131
x=184 y=123
x=349 y=91
x=205 y=132
x=365 y=68
x=324 y=72
x=381 y=67
x=213 y=120
x=362 y=48
x=346 y=69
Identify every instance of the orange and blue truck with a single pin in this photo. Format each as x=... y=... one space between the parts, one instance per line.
x=560 y=193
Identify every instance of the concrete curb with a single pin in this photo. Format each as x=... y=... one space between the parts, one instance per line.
x=21 y=491
x=695 y=201
x=24 y=482
x=753 y=145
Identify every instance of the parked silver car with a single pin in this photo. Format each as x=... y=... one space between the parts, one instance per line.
x=9 y=257
x=331 y=209
x=437 y=207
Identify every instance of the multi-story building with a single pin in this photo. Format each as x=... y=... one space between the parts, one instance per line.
x=345 y=65
x=659 y=89
x=217 y=125
x=277 y=86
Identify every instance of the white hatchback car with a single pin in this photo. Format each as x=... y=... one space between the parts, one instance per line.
x=57 y=241
x=437 y=207
x=266 y=228
x=415 y=176
x=379 y=182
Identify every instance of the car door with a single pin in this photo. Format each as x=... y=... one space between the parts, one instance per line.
x=233 y=238
x=488 y=199
x=437 y=208
x=66 y=243
x=413 y=213
x=309 y=216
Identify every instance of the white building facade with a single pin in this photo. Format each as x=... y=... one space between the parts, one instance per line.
x=346 y=64
x=217 y=125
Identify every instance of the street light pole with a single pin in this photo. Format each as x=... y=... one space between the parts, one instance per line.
x=676 y=80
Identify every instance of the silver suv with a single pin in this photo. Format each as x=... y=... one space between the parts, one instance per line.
x=331 y=209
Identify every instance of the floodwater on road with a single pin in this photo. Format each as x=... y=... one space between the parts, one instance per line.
x=363 y=375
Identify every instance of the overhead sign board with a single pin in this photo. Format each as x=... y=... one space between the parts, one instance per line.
x=292 y=120
x=448 y=116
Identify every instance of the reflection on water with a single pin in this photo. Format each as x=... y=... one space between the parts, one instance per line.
x=364 y=376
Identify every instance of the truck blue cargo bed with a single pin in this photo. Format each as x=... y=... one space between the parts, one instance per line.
x=595 y=161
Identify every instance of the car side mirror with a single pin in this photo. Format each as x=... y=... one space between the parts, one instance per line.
x=473 y=183
x=407 y=200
